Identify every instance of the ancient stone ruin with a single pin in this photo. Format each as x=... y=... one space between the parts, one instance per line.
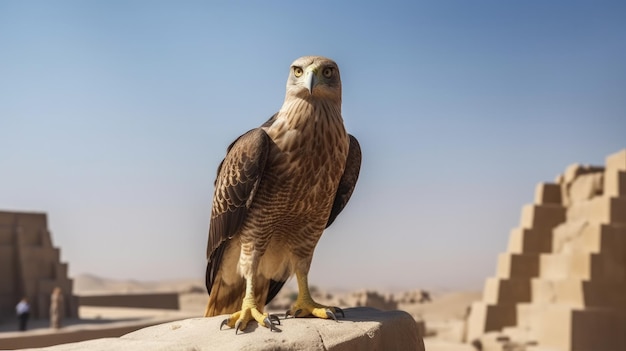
x=30 y=266
x=561 y=285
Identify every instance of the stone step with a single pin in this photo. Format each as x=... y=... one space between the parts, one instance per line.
x=600 y=209
x=588 y=237
x=543 y=217
x=507 y=291
x=519 y=335
x=512 y=265
x=533 y=240
x=576 y=293
x=529 y=318
x=603 y=266
x=485 y=317
x=616 y=161
x=615 y=183
x=548 y=193
x=543 y=348
x=615 y=175
x=592 y=329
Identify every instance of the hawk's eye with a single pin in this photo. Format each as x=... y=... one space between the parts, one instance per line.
x=327 y=72
x=297 y=71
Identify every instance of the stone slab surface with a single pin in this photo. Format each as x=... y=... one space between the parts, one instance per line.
x=363 y=328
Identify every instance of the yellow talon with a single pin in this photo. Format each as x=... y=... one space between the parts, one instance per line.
x=305 y=306
x=239 y=320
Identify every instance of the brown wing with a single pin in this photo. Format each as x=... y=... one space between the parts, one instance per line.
x=238 y=178
x=348 y=180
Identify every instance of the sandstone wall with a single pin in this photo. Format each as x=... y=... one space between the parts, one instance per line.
x=30 y=266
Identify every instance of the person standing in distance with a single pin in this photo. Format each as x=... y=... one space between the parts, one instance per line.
x=23 y=312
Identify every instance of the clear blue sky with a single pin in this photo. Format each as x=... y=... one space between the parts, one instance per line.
x=115 y=114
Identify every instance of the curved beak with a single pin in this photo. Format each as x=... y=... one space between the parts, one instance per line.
x=310 y=80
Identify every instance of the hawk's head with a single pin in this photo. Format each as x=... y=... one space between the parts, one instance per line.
x=313 y=77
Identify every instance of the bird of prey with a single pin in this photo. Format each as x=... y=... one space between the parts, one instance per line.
x=279 y=186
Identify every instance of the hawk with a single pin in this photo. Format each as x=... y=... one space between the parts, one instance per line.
x=279 y=186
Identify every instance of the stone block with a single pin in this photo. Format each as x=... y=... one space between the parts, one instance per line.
x=523 y=240
x=569 y=177
x=601 y=209
x=578 y=293
x=517 y=265
x=547 y=193
x=586 y=187
x=506 y=291
x=6 y=235
x=617 y=211
x=494 y=341
x=529 y=318
x=615 y=184
x=597 y=329
x=607 y=294
x=583 y=236
x=542 y=217
x=361 y=329
x=60 y=271
x=38 y=262
x=616 y=161
x=7 y=309
x=566 y=233
x=7 y=274
x=540 y=348
x=7 y=218
x=553 y=266
x=575 y=170
x=517 y=336
x=46 y=238
x=485 y=317
x=584 y=266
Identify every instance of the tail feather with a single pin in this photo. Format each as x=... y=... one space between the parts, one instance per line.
x=225 y=299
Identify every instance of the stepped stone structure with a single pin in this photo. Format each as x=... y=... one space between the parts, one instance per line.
x=30 y=266
x=561 y=285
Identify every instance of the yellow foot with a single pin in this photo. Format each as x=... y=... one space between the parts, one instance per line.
x=239 y=320
x=311 y=308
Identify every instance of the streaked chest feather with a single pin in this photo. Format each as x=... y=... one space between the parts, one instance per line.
x=309 y=154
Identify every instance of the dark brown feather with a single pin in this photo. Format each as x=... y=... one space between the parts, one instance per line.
x=348 y=180
x=237 y=180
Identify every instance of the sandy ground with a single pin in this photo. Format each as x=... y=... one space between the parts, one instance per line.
x=443 y=316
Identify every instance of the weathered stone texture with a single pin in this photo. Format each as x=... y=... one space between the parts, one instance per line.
x=362 y=329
